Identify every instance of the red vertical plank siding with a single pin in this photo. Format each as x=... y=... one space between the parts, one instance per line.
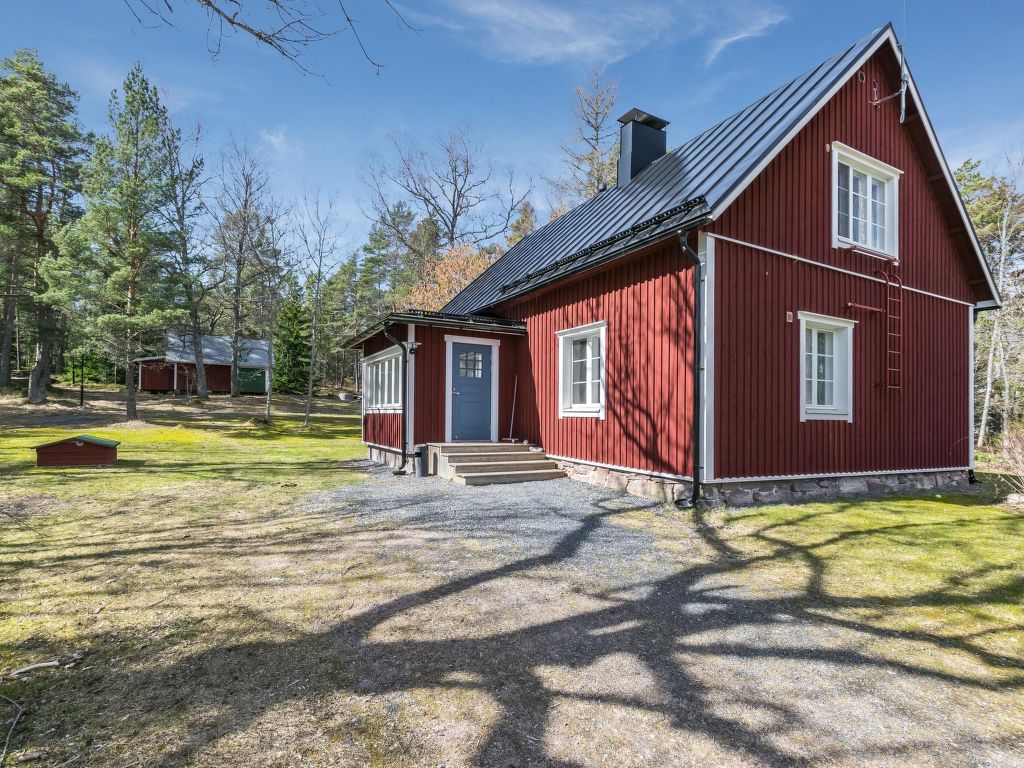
x=157 y=376
x=646 y=302
x=429 y=409
x=789 y=208
x=428 y=413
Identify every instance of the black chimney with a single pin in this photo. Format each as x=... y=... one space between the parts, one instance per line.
x=642 y=140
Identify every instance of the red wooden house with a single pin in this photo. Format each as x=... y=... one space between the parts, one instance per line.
x=781 y=308
x=175 y=369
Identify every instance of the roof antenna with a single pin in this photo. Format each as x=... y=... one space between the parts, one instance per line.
x=903 y=69
x=904 y=80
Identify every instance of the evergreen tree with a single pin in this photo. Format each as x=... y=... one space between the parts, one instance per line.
x=41 y=151
x=292 y=337
x=127 y=282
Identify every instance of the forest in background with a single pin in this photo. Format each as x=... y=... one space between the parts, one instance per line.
x=110 y=240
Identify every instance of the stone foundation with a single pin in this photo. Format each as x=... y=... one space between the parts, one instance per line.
x=392 y=457
x=748 y=493
x=656 y=488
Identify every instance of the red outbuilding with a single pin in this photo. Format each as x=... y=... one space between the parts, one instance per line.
x=78 y=451
x=174 y=370
x=779 y=309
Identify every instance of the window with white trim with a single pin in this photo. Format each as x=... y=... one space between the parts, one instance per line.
x=865 y=202
x=581 y=368
x=826 y=367
x=382 y=381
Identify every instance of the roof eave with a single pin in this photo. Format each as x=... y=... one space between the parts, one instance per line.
x=701 y=220
x=438 y=320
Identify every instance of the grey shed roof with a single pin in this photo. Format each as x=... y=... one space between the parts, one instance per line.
x=673 y=192
x=253 y=353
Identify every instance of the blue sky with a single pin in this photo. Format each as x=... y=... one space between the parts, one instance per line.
x=507 y=70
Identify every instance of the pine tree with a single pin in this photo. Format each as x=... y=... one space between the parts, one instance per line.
x=127 y=283
x=292 y=339
x=40 y=164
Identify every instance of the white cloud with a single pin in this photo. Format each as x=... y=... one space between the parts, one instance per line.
x=597 y=32
x=279 y=143
x=762 y=21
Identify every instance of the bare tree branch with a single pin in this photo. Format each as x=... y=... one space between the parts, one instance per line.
x=453 y=184
x=288 y=27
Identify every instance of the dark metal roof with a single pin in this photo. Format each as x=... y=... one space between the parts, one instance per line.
x=690 y=181
x=101 y=441
x=439 y=320
x=252 y=353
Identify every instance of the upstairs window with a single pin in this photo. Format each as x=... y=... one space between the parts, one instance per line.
x=826 y=367
x=864 y=202
x=382 y=381
x=581 y=371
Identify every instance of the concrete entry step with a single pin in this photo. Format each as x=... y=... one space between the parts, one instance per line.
x=472 y=467
x=502 y=456
x=481 y=447
x=491 y=478
x=486 y=463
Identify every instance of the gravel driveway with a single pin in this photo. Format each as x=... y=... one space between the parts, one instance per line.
x=560 y=624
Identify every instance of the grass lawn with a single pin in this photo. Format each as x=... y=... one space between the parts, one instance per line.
x=205 y=581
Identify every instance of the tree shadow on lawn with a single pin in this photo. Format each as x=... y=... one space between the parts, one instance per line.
x=678 y=623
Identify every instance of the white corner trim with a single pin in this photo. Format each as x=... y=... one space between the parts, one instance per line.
x=410 y=390
x=970 y=386
x=706 y=252
x=495 y=345
x=175 y=377
x=842 y=367
x=567 y=335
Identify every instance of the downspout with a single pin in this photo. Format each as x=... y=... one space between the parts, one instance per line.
x=405 y=387
x=698 y=361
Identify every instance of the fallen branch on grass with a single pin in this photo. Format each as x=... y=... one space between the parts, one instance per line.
x=14 y=724
x=64 y=661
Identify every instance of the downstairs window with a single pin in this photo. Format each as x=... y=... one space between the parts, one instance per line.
x=581 y=354
x=826 y=368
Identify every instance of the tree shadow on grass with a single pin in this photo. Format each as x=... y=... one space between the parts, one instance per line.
x=663 y=623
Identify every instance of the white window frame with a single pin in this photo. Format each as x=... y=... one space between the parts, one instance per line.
x=382 y=371
x=842 y=408
x=565 y=338
x=880 y=171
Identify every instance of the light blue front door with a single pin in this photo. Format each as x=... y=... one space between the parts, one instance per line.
x=471 y=391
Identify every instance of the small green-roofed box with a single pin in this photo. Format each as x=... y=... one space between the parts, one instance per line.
x=77 y=451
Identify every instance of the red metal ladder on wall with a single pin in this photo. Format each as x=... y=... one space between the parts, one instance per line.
x=893 y=311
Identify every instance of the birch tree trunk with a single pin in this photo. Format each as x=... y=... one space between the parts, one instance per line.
x=989 y=377
x=1007 y=403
